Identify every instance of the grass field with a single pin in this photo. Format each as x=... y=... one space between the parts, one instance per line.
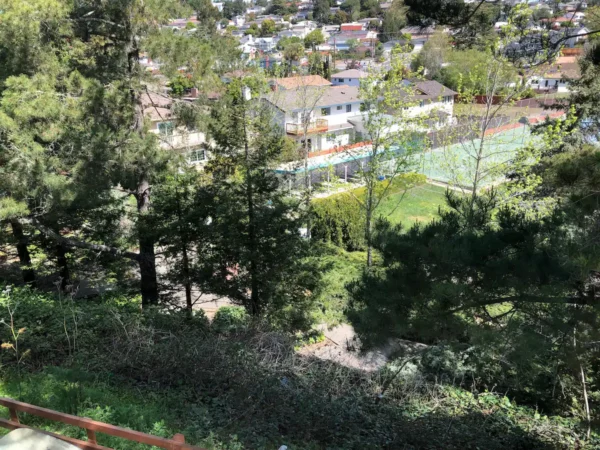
x=419 y=204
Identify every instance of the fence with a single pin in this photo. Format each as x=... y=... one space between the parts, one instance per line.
x=91 y=426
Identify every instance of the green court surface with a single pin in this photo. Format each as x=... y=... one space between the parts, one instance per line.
x=457 y=164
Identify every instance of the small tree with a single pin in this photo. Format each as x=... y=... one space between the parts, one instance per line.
x=313 y=39
x=267 y=28
x=353 y=44
x=396 y=140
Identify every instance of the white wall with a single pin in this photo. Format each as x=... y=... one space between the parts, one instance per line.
x=430 y=107
x=329 y=141
x=540 y=84
x=180 y=139
x=336 y=116
x=347 y=81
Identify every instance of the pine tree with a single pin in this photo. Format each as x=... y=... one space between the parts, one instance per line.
x=259 y=252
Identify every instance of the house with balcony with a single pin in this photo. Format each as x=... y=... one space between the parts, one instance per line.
x=171 y=135
x=325 y=111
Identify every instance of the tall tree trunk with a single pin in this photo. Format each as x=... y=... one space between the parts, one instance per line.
x=368 y=227
x=24 y=256
x=63 y=265
x=148 y=279
x=185 y=258
x=187 y=283
x=254 y=298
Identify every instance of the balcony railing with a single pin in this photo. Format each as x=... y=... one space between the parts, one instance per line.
x=315 y=126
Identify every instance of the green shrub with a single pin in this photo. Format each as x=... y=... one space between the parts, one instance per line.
x=339 y=219
x=230 y=319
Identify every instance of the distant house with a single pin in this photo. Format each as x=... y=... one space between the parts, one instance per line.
x=300 y=31
x=355 y=26
x=333 y=114
x=327 y=110
x=350 y=77
x=181 y=24
x=556 y=76
x=418 y=36
x=340 y=41
x=188 y=142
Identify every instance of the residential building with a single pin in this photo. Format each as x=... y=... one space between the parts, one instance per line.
x=349 y=77
x=556 y=76
x=188 y=142
x=333 y=113
x=181 y=24
x=418 y=36
x=299 y=31
x=327 y=110
x=431 y=97
x=355 y=26
x=340 y=41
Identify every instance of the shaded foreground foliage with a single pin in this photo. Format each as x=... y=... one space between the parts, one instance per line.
x=163 y=372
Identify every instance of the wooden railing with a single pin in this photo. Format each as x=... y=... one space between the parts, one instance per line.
x=91 y=426
x=315 y=126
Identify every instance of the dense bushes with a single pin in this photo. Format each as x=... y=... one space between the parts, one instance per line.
x=230 y=318
x=339 y=219
x=162 y=373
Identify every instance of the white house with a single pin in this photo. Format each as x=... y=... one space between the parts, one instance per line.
x=349 y=77
x=326 y=110
x=556 y=76
x=188 y=142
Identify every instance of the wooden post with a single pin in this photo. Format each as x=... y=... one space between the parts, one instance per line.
x=91 y=436
x=13 y=415
x=178 y=438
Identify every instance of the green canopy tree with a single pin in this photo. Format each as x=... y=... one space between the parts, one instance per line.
x=260 y=254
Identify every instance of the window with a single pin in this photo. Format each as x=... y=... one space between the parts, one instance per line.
x=422 y=103
x=325 y=111
x=348 y=108
x=196 y=155
x=340 y=80
x=339 y=107
x=166 y=128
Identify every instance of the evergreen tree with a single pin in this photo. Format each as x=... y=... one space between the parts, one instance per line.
x=260 y=254
x=321 y=11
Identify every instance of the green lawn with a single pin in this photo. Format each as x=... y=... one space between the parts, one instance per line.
x=419 y=204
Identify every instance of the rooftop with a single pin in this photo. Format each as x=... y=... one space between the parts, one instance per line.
x=350 y=73
x=317 y=96
x=296 y=82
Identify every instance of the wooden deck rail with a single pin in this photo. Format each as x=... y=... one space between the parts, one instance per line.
x=91 y=426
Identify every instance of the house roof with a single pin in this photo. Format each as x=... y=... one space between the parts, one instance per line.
x=156 y=106
x=563 y=67
x=297 y=99
x=431 y=89
x=294 y=99
x=351 y=73
x=351 y=27
x=296 y=82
